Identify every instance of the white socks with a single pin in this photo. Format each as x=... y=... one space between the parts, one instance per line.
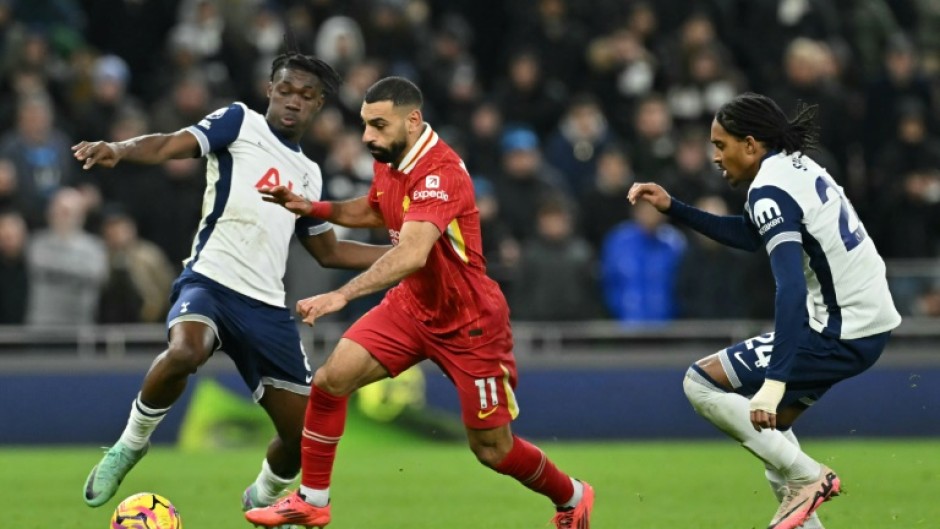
x=730 y=412
x=141 y=424
x=778 y=485
x=269 y=486
x=315 y=497
x=576 y=497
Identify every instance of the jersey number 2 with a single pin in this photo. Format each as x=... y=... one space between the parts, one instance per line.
x=850 y=238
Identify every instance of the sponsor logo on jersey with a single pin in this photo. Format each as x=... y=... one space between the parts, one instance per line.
x=766 y=215
x=432 y=182
x=428 y=193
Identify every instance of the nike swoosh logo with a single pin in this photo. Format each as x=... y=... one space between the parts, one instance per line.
x=481 y=414
x=743 y=363
x=787 y=515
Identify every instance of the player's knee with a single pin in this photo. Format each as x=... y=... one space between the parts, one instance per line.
x=695 y=391
x=184 y=358
x=329 y=381
x=490 y=454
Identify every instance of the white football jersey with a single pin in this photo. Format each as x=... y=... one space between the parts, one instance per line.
x=793 y=198
x=242 y=240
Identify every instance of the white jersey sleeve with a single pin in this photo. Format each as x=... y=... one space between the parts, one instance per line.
x=794 y=199
x=242 y=241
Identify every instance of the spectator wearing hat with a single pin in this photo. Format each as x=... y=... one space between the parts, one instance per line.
x=524 y=182
x=110 y=77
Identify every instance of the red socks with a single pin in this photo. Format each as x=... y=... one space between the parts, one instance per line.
x=531 y=467
x=323 y=428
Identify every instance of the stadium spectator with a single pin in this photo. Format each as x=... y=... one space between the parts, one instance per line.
x=900 y=82
x=8 y=183
x=692 y=174
x=833 y=310
x=524 y=182
x=482 y=145
x=623 y=72
x=639 y=262
x=67 y=266
x=139 y=275
x=574 y=146
x=109 y=98
x=549 y=28
x=14 y=273
x=704 y=288
x=500 y=248
x=557 y=277
x=436 y=265
x=911 y=148
x=602 y=205
x=525 y=97
x=654 y=145
x=40 y=152
x=231 y=292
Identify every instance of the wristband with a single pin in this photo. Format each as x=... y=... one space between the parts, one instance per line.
x=320 y=210
x=769 y=396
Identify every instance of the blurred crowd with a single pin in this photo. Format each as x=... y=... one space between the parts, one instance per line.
x=557 y=107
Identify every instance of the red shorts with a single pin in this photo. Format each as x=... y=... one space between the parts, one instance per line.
x=483 y=370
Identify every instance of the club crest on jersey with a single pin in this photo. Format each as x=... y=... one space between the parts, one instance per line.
x=766 y=214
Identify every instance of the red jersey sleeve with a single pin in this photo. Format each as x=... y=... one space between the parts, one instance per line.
x=439 y=197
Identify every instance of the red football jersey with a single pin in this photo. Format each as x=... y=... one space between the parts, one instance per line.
x=452 y=292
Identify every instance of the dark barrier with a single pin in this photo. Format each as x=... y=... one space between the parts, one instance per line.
x=557 y=402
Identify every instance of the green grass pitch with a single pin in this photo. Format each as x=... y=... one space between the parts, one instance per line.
x=385 y=479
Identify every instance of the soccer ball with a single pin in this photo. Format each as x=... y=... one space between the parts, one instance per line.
x=146 y=510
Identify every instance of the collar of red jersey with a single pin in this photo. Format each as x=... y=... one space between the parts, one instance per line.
x=421 y=147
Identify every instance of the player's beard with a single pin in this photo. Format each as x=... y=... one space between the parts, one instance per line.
x=388 y=154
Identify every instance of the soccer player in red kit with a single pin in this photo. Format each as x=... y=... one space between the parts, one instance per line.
x=444 y=308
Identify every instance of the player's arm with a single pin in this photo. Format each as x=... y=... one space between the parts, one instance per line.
x=786 y=261
x=353 y=213
x=148 y=149
x=410 y=255
x=331 y=252
x=780 y=217
x=731 y=230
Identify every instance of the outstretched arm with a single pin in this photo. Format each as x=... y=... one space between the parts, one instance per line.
x=408 y=256
x=354 y=213
x=149 y=149
x=731 y=230
x=334 y=253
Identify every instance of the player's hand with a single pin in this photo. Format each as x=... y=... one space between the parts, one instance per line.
x=764 y=404
x=297 y=204
x=652 y=193
x=100 y=153
x=312 y=308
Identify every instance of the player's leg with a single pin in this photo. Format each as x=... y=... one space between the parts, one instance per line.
x=191 y=343
x=499 y=449
x=380 y=344
x=778 y=484
x=281 y=464
x=485 y=377
x=716 y=386
x=348 y=368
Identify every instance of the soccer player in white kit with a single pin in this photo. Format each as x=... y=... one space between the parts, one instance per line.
x=833 y=310
x=230 y=296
